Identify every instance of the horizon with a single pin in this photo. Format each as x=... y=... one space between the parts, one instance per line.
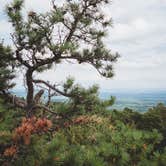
x=132 y=91
x=140 y=101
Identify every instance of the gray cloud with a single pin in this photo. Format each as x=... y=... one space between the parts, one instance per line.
x=138 y=34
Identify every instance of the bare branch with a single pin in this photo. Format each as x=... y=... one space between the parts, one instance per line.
x=52 y=87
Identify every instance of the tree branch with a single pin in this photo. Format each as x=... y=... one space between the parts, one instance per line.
x=13 y=99
x=52 y=87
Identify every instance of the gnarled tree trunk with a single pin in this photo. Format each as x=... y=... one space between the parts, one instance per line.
x=30 y=92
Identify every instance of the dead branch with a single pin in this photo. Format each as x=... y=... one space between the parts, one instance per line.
x=52 y=87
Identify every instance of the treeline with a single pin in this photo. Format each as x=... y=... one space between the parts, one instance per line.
x=154 y=118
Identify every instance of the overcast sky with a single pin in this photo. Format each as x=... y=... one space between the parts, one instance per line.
x=138 y=34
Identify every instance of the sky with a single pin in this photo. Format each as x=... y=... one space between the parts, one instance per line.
x=138 y=34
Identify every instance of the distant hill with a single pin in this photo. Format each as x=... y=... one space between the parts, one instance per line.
x=138 y=101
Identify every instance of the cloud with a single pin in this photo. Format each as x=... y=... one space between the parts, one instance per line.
x=138 y=34
x=5 y=30
x=5 y=27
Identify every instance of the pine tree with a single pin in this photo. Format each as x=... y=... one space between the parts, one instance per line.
x=6 y=72
x=71 y=31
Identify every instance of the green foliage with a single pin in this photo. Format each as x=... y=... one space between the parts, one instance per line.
x=9 y=119
x=103 y=144
x=33 y=155
x=14 y=10
x=83 y=100
x=6 y=72
x=96 y=140
x=155 y=118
